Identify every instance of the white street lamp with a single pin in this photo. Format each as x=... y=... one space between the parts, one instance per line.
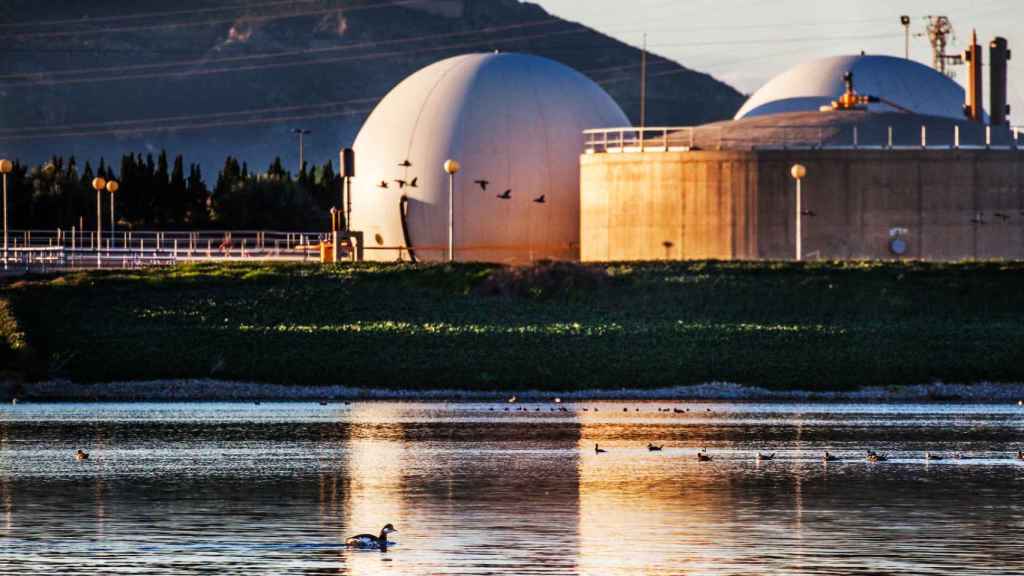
x=99 y=184
x=451 y=167
x=112 y=187
x=798 y=172
x=5 y=168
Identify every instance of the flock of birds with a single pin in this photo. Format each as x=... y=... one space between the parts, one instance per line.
x=870 y=455
x=482 y=183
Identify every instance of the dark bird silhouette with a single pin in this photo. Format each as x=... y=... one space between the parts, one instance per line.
x=765 y=457
x=703 y=455
x=539 y=199
x=653 y=448
x=405 y=164
x=383 y=184
x=401 y=183
x=829 y=458
x=506 y=194
x=482 y=184
x=599 y=450
x=414 y=182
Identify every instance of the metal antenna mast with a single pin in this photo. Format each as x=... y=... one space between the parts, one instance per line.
x=940 y=34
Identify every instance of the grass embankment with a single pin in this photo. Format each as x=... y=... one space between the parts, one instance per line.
x=475 y=326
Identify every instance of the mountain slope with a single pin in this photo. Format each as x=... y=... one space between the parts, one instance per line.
x=209 y=79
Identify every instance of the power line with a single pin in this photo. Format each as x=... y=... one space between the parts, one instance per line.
x=137 y=15
x=271 y=55
x=188 y=24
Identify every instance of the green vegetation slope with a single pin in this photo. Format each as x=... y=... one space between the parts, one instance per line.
x=555 y=326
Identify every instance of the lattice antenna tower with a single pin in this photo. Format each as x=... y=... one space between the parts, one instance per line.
x=940 y=33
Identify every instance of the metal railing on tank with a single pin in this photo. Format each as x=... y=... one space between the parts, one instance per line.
x=904 y=136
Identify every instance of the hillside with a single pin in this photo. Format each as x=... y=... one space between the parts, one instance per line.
x=210 y=78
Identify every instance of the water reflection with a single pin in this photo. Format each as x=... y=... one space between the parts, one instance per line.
x=276 y=488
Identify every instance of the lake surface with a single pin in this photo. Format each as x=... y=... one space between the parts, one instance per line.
x=473 y=489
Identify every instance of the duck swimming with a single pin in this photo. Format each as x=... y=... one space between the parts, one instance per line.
x=829 y=458
x=1020 y=455
x=598 y=449
x=703 y=456
x=369 y=541
x=876 y=457
x=79 y=455
x=765 y=457
x=932 y=457
x=653 y=448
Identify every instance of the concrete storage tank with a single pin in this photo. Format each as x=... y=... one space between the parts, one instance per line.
x=514 y=123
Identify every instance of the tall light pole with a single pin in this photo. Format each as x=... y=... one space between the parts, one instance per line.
x=798 y=172
x=451 y=167
x=5 y=168
x=301 y=132
x=99 y=184
x=112 y=187
x=905 y=20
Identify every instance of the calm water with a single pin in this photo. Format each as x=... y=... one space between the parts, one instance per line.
x=275 y=488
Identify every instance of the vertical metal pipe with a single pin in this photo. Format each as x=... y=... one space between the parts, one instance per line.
x=112 y=219
x=643 y=92
x=5 y=221
x=799 y=214
x=451 y=217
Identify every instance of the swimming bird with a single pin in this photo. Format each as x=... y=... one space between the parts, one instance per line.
x=405 y=164
x=829 y=457
x=383 y=184
x=599 y=450
x=539 y=199
x=506 y=194
x=702 y=457
x=876 y=457
x=765 y=457
x=80 y=455
x=653 y=448
x=370 y=541
x=1020 y=455
x=482 y=184
x=933 y=457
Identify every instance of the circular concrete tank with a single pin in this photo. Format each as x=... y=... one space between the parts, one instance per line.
x=808 y=86
x=514 y=123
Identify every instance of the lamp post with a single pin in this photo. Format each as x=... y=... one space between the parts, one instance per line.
x=99 y=184
x=301 y=132
x=5 y=168
x=451 y=167
x=112 y=187
x=798 y=172
x=905 y=21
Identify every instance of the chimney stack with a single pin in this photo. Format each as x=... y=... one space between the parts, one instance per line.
x=998 y=55
x=974 y=94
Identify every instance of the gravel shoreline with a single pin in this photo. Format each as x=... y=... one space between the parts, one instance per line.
x=219 y=390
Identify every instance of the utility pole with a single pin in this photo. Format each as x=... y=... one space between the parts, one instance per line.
x=301 y=132
x=905 y=21
x=643 y=92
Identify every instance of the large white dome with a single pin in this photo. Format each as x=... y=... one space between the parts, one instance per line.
x=513 y=120
x=811 y=85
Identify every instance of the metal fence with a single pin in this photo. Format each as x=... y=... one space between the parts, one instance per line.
x=65 y=249
x=903 y=136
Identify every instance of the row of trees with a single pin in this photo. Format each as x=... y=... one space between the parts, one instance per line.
x=158 y=193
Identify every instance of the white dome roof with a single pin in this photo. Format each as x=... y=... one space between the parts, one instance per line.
x=513 y=120
x=811 y=85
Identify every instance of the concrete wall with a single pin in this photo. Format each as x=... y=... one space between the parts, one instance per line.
x=946 y=204
x=668 y=205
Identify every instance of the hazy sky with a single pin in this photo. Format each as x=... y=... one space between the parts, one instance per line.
x=747 y=42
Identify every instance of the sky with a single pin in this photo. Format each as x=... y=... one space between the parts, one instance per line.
x=747 y=42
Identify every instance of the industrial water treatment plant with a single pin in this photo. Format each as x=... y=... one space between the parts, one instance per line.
x=897 y=161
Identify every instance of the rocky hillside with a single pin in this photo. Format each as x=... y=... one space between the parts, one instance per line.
x=211 y=78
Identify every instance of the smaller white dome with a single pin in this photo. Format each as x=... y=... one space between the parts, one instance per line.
x=808 y=86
